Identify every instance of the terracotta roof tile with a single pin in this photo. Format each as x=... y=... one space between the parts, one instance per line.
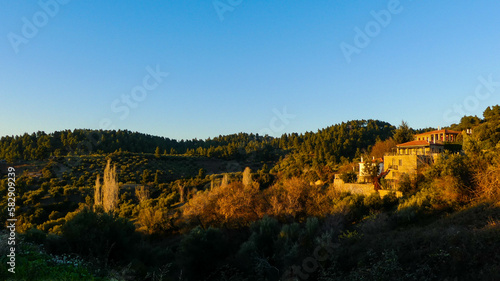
x=415 y=143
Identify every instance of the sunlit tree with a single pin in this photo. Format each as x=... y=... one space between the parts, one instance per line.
x=106 y=194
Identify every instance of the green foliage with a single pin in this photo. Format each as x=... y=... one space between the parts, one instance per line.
x=371 y=168
x=403 y=133
x=107 y=237
x=264 y=233
x=329 y=144
x=452 y=177
x=264 y=178
x=32 y=263
x=492 y=112
x=405 y=184
x=202 y=173
x=349 y=177
x=146 y=175
x=40 y=145
x=272 y=246
x=389 y=201
x=351 y=235
x=47 y=172
x=35 y=236
x=201 y=252
x=467 y=122
x=373 y=201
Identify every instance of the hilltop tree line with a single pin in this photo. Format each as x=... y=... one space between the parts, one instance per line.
x=486 y=129
x=330 y=145
x=333 y=144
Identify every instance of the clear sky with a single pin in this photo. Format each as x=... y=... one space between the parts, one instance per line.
x=244 y=66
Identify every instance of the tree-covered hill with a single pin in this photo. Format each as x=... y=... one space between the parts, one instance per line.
x=248 y=207
x=486 y=130
x=331 y=144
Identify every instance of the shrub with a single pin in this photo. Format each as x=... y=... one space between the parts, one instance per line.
x=151 y=220
x=35 y=236
x=201 y=252
x=373 y=201
x=55 y=244
x=352 y=205
x=386 y=267
x=261 y=253
x=405 y=184
x=100 y=235
x=349 y=177
x=488 y=183
x=261 y=241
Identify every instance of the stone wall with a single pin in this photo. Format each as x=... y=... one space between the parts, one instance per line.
x=359 y=188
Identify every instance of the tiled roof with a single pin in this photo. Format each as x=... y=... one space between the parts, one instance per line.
x=415 y=143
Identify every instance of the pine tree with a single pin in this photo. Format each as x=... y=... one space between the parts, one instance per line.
x=403 y=133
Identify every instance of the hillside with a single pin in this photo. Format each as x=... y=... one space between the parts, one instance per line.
x=249 y=207
x=343 y=140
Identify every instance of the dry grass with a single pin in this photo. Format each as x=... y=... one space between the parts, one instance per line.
x=488 y=183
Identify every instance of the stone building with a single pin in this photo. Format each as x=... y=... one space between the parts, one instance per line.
x=438 y=136
x=410 y=157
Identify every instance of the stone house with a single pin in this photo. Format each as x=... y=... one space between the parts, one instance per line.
x=410 y=157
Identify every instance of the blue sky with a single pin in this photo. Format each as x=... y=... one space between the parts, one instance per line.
x=240 y=66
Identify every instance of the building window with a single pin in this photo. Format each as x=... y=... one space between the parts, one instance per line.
x=400 y=162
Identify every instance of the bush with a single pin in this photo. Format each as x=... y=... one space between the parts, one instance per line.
x=100 y=235
x=488 y=183
x=386 y=267
x=55 y=244
x=349 y=177
x=352 y=205
x=405 y=185
x=35 y=236
x=202 y=252
x=373 y=201
x=261 y=241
